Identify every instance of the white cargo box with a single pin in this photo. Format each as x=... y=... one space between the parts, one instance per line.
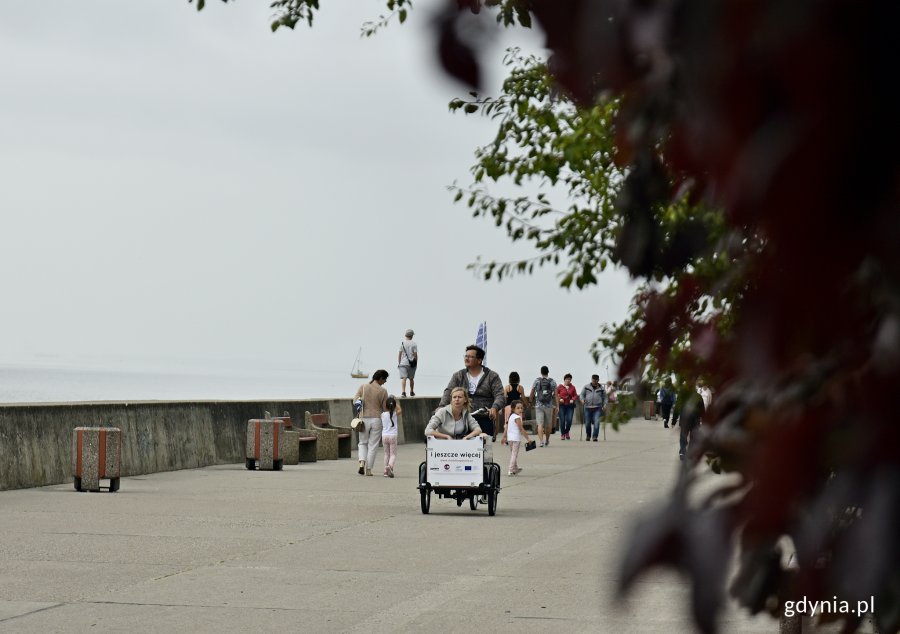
x=454 y=463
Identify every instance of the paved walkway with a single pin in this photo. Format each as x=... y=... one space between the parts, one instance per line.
x=319 y=548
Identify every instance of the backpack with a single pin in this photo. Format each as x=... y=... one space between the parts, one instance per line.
x=544 y=392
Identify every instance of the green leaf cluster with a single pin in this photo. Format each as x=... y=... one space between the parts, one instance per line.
x=545 y=141
x=289 y=12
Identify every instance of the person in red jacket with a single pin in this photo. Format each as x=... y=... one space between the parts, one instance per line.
x=568 y=397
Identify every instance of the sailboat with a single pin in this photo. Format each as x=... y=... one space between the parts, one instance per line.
x=356 y=372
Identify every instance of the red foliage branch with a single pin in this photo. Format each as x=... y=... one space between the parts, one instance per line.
x=785 y=116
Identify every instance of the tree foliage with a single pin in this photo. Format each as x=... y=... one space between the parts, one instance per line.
x=545 y=139
x=783 y=116
x=740 y=159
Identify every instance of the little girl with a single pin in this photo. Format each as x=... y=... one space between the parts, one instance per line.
x=513 y=434
x=389 y=435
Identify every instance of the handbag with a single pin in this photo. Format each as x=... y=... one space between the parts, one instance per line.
x=530 y=445
x=412 y=362
x=357 y=424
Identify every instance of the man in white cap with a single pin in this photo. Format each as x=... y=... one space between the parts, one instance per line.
x=407 y=360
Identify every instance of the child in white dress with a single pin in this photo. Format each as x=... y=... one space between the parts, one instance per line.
x=513 y=434
x=389 y=421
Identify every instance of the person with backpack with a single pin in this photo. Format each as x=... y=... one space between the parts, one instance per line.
x=546 y=404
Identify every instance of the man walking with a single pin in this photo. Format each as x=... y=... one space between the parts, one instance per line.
x=692 y=412
x=546 y=404
x=667 y=400
x=484 y=387
x=593 y=395
x=407 y=361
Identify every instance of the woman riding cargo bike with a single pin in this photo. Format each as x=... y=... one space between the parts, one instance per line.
x=459 y=462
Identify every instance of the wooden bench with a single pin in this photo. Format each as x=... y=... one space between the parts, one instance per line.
x=345 y=434
x=334 y=442
x=96 y=455
x=290 y=439
x=290 y=447
x=284 y=418
x=308 y=445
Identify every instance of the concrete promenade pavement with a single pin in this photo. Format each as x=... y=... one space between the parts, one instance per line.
x=320 y=548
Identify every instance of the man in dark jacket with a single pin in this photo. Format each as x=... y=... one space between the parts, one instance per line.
x=691 y=414
x=484 y=387
x=667 y=399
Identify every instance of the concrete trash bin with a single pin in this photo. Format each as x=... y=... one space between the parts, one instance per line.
x=264 y=438
x=649 y=407
x=96 y=455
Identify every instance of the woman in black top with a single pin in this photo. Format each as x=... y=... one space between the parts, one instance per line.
x=514 y=392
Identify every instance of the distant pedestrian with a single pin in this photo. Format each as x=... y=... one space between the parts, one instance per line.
x=389 y=420
x=407 y=362
x=567 y=397
x=513 y=435
x=611 y=392
x=657 y=405
x=705 y=393
x=514 y=392
x=593 y=396
x=546 y=403
x=374 y=398
x=691 y=414
x=484 y=387
x=676 y=409
x=667 y=400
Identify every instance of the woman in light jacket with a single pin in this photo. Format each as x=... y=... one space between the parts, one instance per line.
x=453 y=420
x=374 y=400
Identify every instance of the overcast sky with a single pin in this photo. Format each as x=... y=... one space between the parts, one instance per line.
x=183 y=187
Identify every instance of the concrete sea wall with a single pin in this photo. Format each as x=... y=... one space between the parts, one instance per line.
x=36 y=439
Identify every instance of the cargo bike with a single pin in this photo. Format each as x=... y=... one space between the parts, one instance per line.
x=458 y=470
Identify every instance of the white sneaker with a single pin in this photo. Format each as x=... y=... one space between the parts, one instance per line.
x=511 y=473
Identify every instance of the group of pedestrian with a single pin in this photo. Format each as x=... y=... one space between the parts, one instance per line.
x=549 y=401
x=688 y=416
x=472 y=404
x=379 y=413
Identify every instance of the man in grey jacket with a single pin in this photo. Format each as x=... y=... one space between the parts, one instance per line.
x=593 y=395
x=484 y=387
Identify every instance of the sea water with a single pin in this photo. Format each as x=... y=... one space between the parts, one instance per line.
x=57 y=381
x=41 y=383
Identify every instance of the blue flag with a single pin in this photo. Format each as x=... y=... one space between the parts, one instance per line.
x=481 y=338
